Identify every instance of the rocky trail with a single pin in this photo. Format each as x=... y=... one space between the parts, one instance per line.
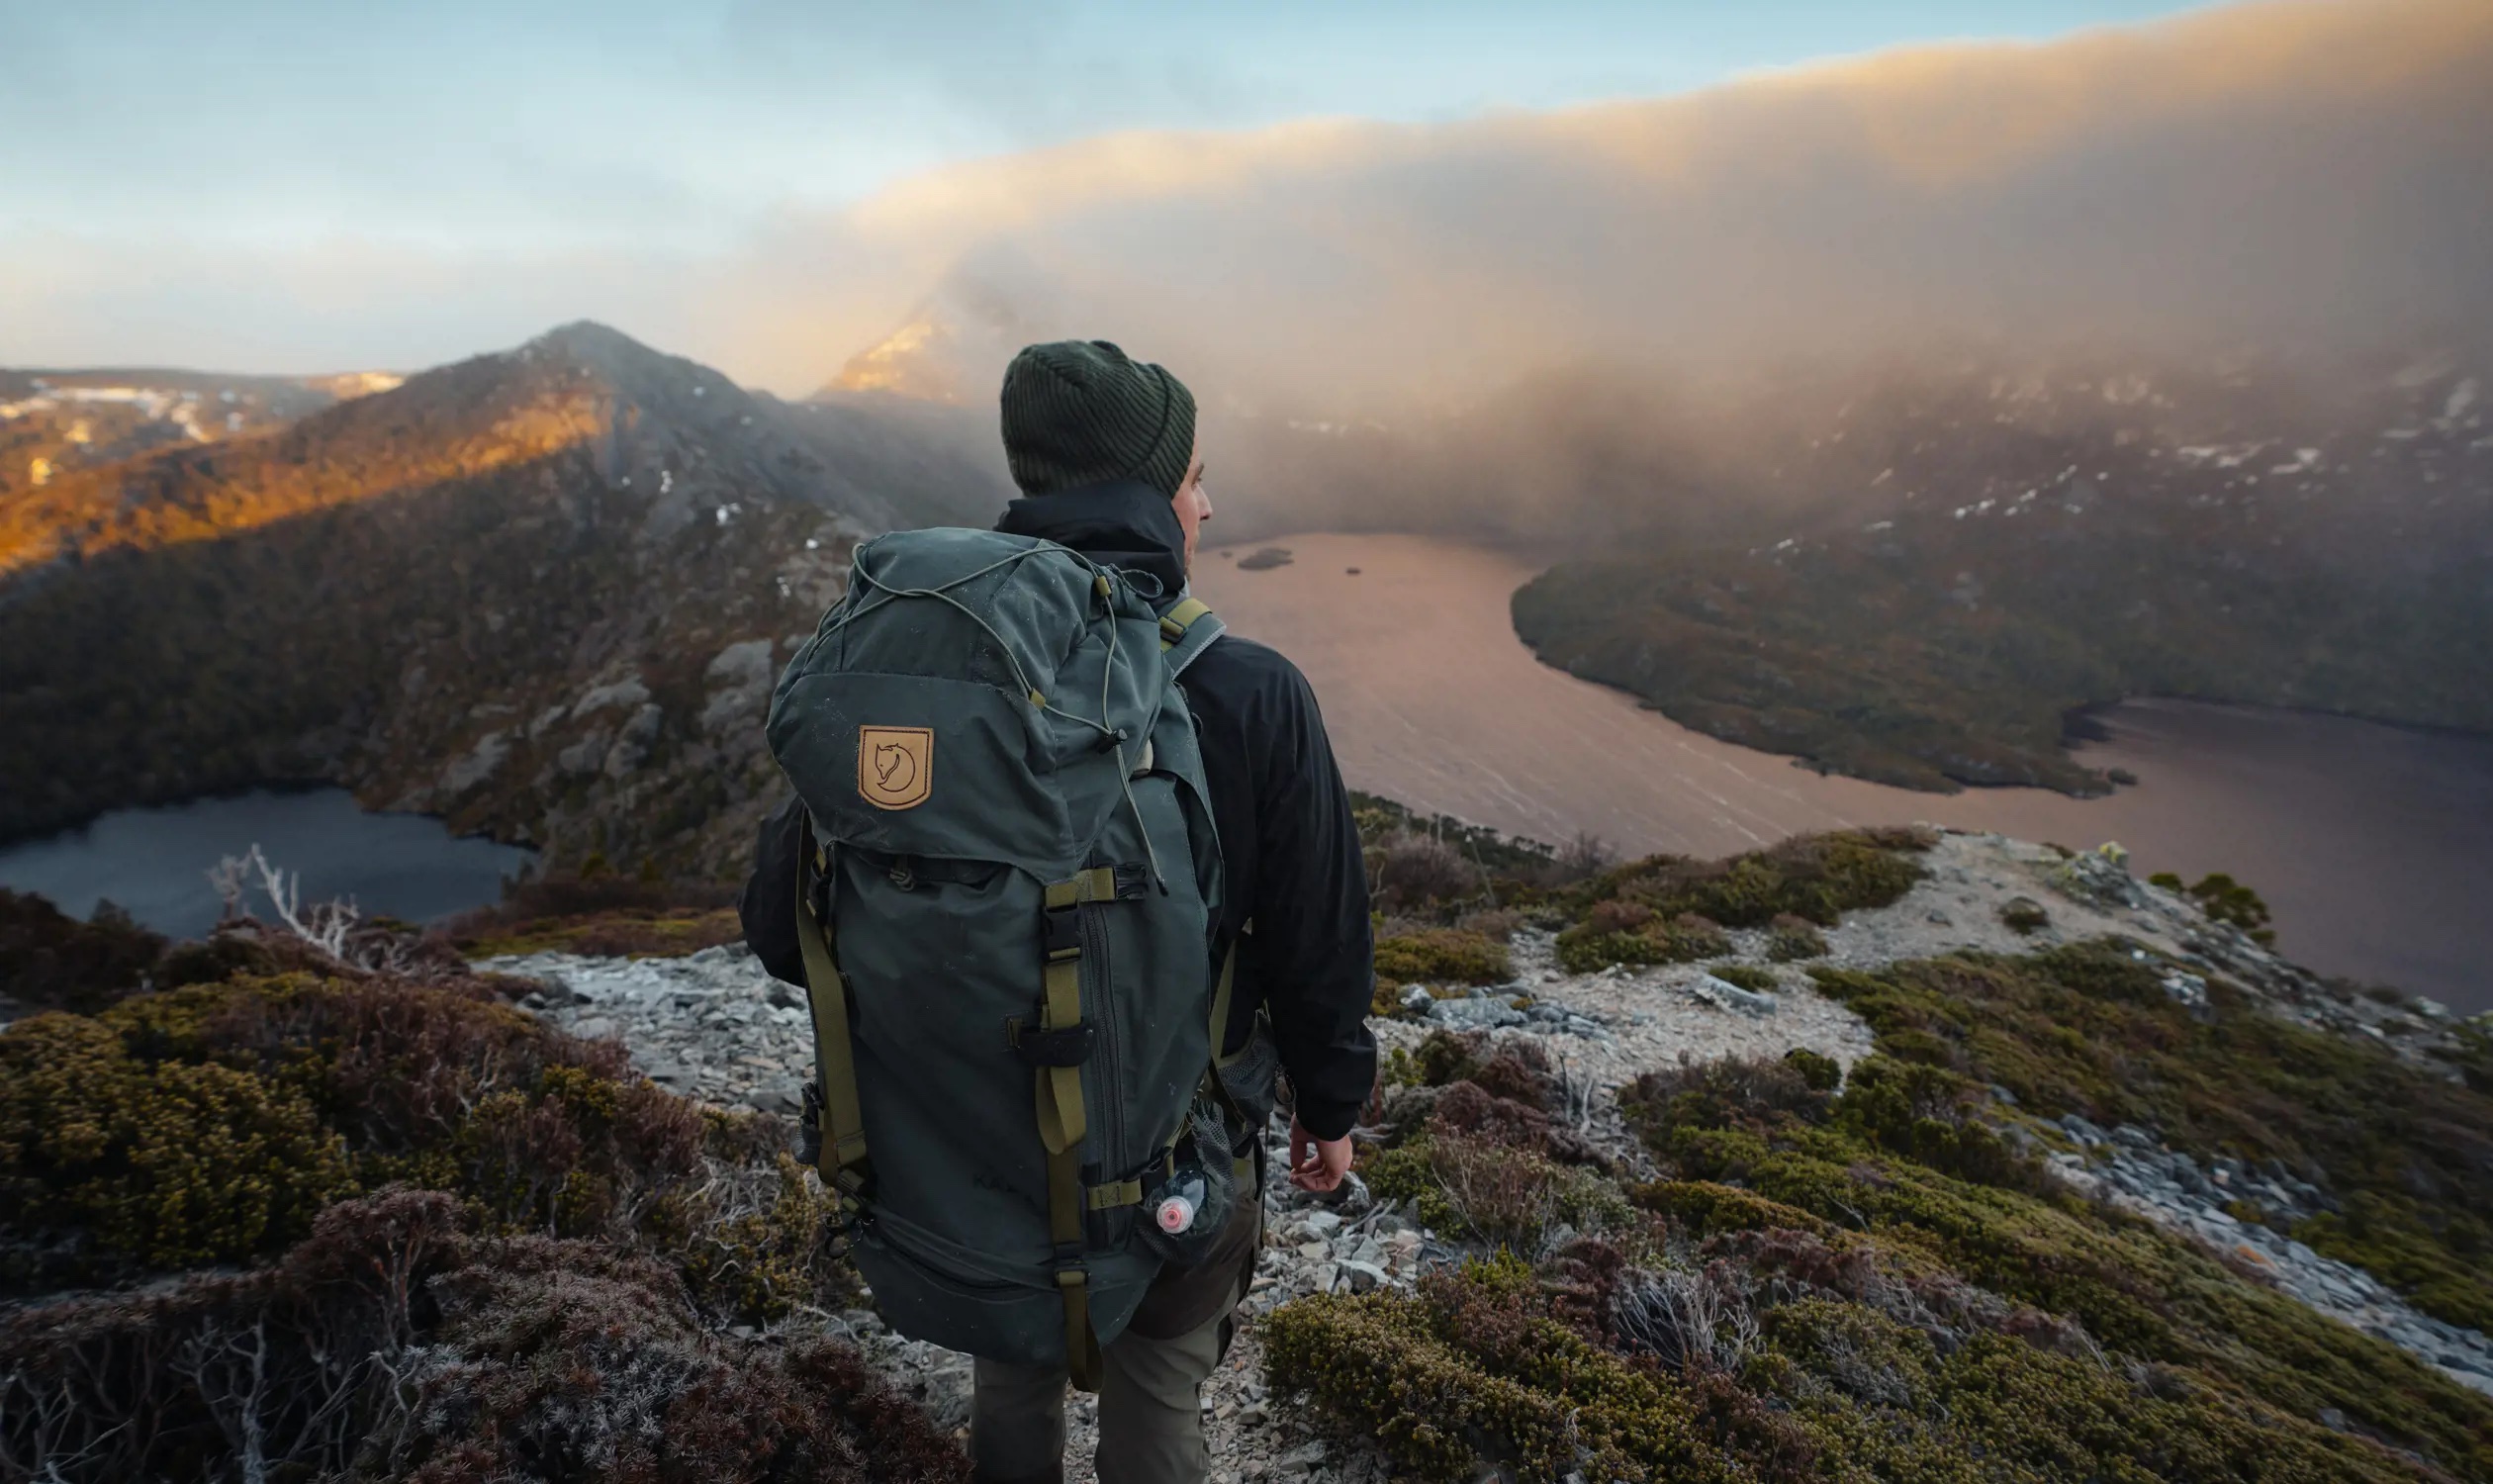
x=715 y=1027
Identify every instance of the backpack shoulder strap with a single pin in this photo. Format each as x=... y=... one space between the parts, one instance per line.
x=1186 y=632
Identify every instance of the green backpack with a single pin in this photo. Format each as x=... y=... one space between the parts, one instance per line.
x=1006 y=914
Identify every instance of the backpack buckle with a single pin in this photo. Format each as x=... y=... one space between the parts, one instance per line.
x=1069 y=1047
x=1061 y=933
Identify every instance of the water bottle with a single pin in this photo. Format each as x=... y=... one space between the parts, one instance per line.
x=1180 y=1198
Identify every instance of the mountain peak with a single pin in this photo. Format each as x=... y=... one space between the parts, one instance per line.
x=950 y=348
x=590 y=343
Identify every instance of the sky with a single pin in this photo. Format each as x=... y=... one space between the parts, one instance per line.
x=306 y=186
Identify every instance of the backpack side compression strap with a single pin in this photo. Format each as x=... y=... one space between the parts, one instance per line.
x=844 y=1148
x=1062 y=1122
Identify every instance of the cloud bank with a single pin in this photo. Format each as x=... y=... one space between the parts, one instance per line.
x=2303 y=171
x=2278 y=173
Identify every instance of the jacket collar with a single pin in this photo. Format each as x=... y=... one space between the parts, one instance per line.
x=1126 y=524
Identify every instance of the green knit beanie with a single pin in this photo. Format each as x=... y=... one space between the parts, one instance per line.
x=1080 y=413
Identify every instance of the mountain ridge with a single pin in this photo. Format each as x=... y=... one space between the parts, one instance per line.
x=538 y=592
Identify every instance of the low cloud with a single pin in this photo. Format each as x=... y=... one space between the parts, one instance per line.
x=2283 y=173
x=2278 y=174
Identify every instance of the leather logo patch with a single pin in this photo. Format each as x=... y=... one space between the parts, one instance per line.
x=896 y=766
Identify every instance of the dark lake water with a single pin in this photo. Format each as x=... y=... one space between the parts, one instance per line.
x=2373 y=845
x=154 y=862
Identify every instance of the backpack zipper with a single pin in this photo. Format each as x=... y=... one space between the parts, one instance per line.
x=1109 y=1115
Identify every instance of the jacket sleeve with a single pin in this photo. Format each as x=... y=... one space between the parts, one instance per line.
x=768 y=905
x=1311 y=946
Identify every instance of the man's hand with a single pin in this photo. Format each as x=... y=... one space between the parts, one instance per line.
x=1317 y=1163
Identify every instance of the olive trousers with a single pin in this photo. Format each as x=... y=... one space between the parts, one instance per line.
x=1150 y=1416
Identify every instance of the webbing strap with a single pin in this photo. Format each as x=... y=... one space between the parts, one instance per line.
x=1063 y=1123
x=844 y=1138
x=1066 y=1211
x=1083 y=1363
x=1061 y=1119
x=1186 y=632
x=1175 y=622
x=1064 y=1199
x=1111 y=1197
x=1099 y=884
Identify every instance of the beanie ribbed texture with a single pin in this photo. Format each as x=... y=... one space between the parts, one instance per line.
x=1080 y=413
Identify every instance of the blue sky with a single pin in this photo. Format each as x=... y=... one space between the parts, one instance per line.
x=465 y=128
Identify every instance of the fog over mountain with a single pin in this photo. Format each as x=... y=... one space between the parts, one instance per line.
x=2279 y=173
x=2275 y=172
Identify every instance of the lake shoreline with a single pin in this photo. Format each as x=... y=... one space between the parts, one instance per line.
x=2372 y=843
x=153 y=861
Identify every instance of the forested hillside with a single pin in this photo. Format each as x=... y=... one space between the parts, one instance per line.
x=1959 y=562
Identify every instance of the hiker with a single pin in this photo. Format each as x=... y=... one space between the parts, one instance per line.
x=1103 y=449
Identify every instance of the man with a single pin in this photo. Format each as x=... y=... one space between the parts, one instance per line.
x=1103 y=449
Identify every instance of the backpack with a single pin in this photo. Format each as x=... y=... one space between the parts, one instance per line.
x=1006 y=910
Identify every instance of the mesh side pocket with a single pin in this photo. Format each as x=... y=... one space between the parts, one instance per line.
x=1207 y=1160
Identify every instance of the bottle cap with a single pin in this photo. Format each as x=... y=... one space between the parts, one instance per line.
x=1175 y=1213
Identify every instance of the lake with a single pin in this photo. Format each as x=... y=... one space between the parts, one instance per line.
x=2372 y=844
x=154 y=862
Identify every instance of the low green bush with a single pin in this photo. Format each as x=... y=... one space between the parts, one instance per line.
x=168 y=1166
x=1790 y=938
x=211 y=1122
x=1443 y=956
x=1810 y=879
x=1816 y=878
x=2225 y=901
x=1822 y=1073
x=1493 y=1192
x=1476 y=1370
x=50 y=961
x=2023 y=914
x=1629 y=933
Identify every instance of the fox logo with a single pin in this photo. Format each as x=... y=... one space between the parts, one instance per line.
x=896 y=766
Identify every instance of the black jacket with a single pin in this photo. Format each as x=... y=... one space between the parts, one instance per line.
x=1289 y=848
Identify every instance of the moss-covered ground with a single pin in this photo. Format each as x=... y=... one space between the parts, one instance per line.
x=2088 y=1029
x=1865 y=1279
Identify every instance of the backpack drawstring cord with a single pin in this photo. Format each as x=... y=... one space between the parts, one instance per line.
x=1125 y=770
x=1021 y=677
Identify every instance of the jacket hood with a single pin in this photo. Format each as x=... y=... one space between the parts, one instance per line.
x=1127 y=524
